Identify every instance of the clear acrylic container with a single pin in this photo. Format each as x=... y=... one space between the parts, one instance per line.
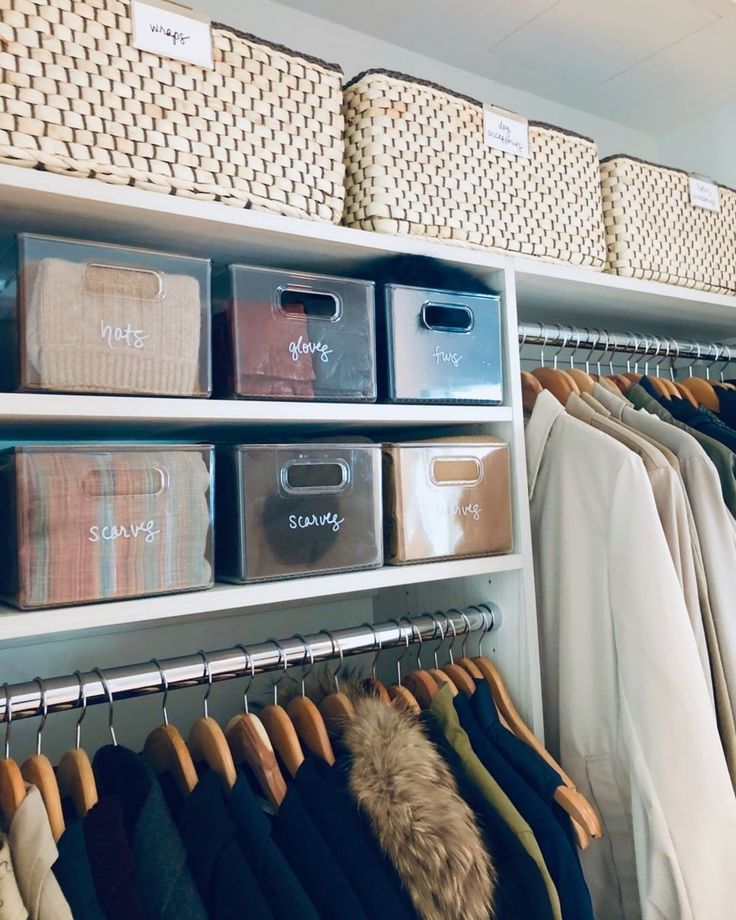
x=94 y=523
x=95 y=318
x=446 y=498
x=439 y=346
x=291 y=335
x=297 y=509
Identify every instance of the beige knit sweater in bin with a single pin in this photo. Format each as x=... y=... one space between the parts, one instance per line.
x=112 y=329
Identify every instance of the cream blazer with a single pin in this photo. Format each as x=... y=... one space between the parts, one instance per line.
x=34 y=853
x=11 y=903
x=626 y=703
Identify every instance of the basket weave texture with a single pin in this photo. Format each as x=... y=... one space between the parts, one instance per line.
x=417 y=163
x=654 y=232
x=263 y=129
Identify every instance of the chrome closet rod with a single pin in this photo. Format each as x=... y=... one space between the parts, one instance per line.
x=63 y=693
x=595 y=339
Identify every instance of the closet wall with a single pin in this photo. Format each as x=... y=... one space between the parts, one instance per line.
x=356 y=51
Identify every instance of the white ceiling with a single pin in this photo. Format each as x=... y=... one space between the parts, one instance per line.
x=650 y=64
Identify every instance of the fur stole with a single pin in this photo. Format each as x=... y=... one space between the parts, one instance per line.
x=400 y=781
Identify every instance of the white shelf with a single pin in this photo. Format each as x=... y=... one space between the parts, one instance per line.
x=44 y=202
x=23 y=625
x=44 y=411
x=566 y=294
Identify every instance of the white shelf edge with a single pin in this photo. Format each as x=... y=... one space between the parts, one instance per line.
x=22 y=187
x=29 y=624
x=49 y=193
x=577 y=275
x=58 y=408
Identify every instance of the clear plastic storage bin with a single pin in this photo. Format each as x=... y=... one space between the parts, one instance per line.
x=297 y=509
x=290 y=335
x=94 y=523
x=439 y=346
x=93 y=318
x=446 y=498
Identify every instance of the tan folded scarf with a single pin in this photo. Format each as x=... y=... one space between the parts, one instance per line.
x=110 y=329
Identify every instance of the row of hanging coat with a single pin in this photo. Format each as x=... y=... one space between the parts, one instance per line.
x=427 y=799
x=632 y=497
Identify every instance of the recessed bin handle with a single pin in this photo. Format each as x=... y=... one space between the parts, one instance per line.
x=455 y=471
x=440 y=317
x=314 y=477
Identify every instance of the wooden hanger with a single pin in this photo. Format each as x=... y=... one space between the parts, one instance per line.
x=12 y=786
x=279 y=727
x=702 y=392
x=423 y=687
x=660 y=386
x=37 y=771
x=249 y=743
x=207 y=742
x=307 y=719
x=686 y=394
x=444 y=680
x=337 y=708
x=622 y=383
x=372 y=685
x=424 y=683
x=557 y=382
x=566 y=795
x=459 y=677
x=74 y=774
x=530 y=389
x=582 y=378
x=609 y=385
x=165 y=750
x=401 y=696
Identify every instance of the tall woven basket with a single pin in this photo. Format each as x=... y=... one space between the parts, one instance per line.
x=417 y=163
x=263 y=129
x=653 y=231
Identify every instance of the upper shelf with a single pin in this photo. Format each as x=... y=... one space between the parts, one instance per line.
x=562 y=293
x=43 y=202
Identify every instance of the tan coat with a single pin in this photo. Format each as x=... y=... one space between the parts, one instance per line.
x=669 y=497
x=714 y=555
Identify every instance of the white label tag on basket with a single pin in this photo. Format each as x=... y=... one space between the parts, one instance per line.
x=704 y=194
x=506 y=131
x=172 y=30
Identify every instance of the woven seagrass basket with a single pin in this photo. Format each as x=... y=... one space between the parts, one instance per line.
x=263 y=129
x=653 y=231
x=417 y=163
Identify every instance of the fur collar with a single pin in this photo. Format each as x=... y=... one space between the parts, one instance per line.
x=403 y=785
